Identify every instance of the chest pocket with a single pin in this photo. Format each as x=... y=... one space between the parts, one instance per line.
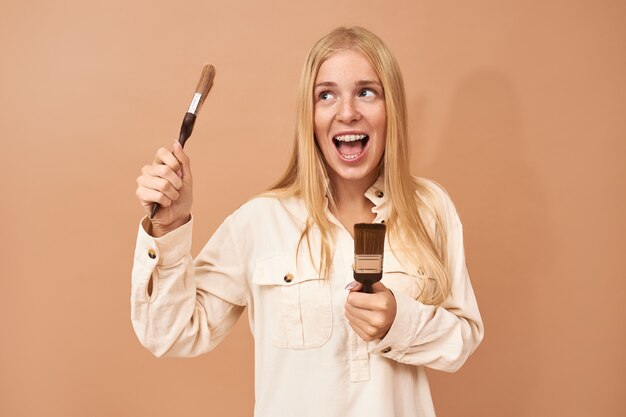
x=398 y=278
x=297 y=302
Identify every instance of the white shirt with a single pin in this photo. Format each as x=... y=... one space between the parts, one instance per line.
x=308 y=361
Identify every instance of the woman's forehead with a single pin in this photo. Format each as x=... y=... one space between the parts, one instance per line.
x=346 y=65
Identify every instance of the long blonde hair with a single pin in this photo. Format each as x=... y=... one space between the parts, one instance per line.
x=409 y=198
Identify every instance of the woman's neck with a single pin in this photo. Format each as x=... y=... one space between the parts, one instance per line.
x=350 y=200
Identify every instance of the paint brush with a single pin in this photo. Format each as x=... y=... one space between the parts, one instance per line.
x=202 y=90
x=369 y=245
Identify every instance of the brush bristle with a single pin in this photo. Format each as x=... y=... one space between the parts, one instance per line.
x=369 y=238
x=205 y=83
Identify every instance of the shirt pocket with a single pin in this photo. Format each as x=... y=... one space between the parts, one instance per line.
x=296 y=301
x=399 y=279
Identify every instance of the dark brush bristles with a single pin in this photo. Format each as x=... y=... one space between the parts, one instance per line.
x=205 y=83
x=369 y=245
x=369 y=238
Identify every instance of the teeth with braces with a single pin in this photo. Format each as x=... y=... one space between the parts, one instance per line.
x=349 y=138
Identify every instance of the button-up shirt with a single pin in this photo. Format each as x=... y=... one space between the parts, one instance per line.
x=304 y=345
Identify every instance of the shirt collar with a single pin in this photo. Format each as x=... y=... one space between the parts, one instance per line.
x=376 y=193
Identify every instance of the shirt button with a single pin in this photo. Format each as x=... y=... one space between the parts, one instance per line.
x=151 y=253
x=288 y=278
x=379 y=194
x=382 y=221
x=386 y=350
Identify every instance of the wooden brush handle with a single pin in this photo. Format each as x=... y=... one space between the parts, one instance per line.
x=367 y=280
x=186 y=128
x=185 y=131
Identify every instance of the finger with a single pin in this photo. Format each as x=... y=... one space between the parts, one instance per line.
x=385 y=299
x=166 y=157
x=374 y=320
x=149 y=196
x=159 y=184
x=360 y=331
x=362 y=300
x=184 y=161
x=361 y=313
x=172 y=162
x=165 y=172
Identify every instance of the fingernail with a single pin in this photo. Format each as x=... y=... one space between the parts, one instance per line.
x=351 y=285
x=177 y=144
x=179 y=173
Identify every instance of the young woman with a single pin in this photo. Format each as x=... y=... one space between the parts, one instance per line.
x=322 y=348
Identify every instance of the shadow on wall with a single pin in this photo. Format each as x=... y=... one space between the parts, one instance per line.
x=480 y=160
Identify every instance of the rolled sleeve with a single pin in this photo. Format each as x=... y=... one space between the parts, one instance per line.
x=166 y=250
x=190 y=307
x=438 y=336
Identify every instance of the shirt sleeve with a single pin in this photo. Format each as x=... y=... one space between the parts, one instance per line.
x=192 y=304
x=437 y=336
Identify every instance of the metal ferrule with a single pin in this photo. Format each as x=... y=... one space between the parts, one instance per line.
x=368 y=264
x=194 y=103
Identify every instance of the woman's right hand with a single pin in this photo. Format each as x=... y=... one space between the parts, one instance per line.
x=168 y=182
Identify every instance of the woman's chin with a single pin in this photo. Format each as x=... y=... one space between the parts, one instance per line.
x=353 y=173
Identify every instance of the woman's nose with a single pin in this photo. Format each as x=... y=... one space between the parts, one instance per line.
x=348 y=111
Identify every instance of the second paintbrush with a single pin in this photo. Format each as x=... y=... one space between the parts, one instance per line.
x=202 y=90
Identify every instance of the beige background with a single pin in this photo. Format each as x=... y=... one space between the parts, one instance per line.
x=517 y=108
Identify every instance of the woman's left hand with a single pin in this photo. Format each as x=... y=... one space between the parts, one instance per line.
x=370 y=315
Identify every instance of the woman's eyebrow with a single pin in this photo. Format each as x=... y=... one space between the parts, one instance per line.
x=326 y=84
x=359 y=83
x=369 y=82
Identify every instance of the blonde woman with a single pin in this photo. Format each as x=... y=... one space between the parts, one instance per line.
x=322 y=348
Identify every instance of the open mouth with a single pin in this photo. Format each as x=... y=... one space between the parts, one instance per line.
x=350 y=146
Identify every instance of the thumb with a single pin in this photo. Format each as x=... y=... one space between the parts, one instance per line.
x=379 y=287
x=354 y=286
x=182 y=157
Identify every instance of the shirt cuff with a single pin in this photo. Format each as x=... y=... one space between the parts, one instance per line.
x=166 y=250
x=397 y=340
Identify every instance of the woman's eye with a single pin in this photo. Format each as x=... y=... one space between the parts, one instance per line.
x=326 y=95
x=367 y=93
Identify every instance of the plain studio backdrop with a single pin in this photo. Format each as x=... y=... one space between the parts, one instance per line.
x=516 y=107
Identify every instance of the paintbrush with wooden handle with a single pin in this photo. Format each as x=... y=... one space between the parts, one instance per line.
x=202 y=90
x=369 y=245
